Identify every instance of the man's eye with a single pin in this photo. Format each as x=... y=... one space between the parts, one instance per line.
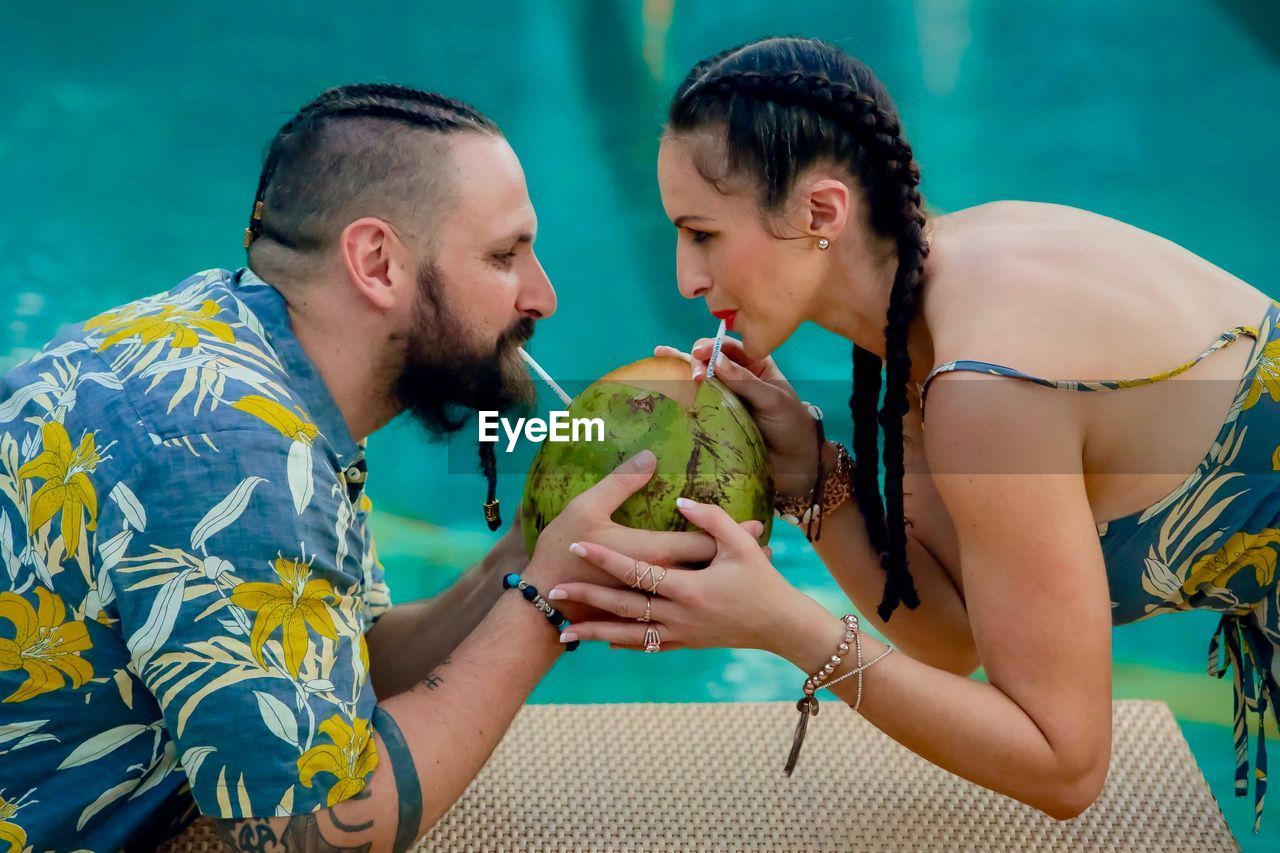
x=504 y=259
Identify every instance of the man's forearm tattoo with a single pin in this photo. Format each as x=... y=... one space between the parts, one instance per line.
x=301 y=833
x=434 y=679
x=408 y=789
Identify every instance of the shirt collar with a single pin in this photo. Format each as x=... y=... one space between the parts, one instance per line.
x=268 y=305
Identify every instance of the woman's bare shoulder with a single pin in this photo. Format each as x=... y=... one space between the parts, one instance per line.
x=996 y=268
x=1029 y=285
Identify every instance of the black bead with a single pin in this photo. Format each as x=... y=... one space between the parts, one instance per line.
x=529 y=592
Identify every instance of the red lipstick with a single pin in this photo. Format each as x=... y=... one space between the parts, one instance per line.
x=727 y=316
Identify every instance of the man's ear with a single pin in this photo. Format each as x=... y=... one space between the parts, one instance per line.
x=371 y=252
x=825 y=206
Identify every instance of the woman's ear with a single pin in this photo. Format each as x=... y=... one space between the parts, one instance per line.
x=827 y=203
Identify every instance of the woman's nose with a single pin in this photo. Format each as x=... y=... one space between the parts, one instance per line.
x=693 y=281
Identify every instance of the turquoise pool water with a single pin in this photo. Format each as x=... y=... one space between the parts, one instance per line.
x=132 y=132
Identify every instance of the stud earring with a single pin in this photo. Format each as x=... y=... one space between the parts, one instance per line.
x=824 y=244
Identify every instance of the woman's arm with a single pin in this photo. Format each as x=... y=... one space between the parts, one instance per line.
x=1036 y=589
x=1038 y=602
x=937 y=632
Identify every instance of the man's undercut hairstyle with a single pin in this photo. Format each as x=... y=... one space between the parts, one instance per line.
x=367 y=149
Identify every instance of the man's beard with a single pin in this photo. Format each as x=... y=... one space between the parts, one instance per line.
x=446 y=377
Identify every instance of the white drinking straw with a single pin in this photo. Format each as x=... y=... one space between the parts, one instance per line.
x=715 y=351
x=546 y=377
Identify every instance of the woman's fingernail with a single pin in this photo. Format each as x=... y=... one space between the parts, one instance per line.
x=756 y=528
x=684 y=503
x=557 y=595
x=568 y=637
x=697 y=372
x=642 y=461
x=577 y=550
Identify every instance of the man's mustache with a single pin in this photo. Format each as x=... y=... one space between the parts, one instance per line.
x=519 y=333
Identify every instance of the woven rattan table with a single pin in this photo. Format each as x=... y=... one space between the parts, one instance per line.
x=683 y=777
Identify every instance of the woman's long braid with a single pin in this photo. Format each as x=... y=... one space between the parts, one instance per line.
x=903 y=300
x=864 y=402
x=896 y=208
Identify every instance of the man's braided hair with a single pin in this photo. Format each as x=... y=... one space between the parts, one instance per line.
x=336 y=152
x=781 y=106
x=356 y=151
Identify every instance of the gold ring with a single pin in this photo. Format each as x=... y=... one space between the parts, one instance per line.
x=662 y=575
x=635 y=582
x=648 y=611
x=642 y=577
x=652 y=642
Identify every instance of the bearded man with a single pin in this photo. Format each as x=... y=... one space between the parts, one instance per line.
x=192 y=615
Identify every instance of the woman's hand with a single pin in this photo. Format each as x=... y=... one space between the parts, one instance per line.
x=786 y=425
x=589 y=517
x=739 y=601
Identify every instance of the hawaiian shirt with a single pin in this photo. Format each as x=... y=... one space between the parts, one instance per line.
x=186 y=575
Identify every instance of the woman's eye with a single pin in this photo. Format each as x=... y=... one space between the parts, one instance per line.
x=699 y=236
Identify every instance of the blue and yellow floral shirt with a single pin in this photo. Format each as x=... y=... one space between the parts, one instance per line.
x=186 y=575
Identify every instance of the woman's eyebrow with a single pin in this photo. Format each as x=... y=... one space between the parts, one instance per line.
x=679 y=221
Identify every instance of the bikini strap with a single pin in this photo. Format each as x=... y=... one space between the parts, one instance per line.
x=972 y=366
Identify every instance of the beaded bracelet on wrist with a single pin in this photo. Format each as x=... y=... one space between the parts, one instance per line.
x=831 y=489
x=808 y=705
x=530 y=593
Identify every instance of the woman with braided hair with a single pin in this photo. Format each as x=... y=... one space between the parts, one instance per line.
x=1026 y=519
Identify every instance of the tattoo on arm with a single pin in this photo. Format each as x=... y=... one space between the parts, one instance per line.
x=408 y=790
x=350 y=827
x=301 y=834
x=434 y=679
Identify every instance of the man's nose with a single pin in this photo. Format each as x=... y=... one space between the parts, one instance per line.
x=537 y=298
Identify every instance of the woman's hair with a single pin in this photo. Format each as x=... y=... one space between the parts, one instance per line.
x=778 y=107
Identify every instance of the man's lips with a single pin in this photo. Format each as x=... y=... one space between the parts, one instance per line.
x=727 y=316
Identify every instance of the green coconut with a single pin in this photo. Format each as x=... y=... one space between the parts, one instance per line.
x=707 y=446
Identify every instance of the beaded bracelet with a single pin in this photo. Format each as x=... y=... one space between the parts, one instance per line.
x=830 y=488
x=808 y=706
x=530 y=593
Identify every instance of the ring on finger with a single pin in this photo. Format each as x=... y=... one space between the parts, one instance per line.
x=662 y=573
x=644 y=577
x=637 y=576
x=648 y=611
x=652 y=642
